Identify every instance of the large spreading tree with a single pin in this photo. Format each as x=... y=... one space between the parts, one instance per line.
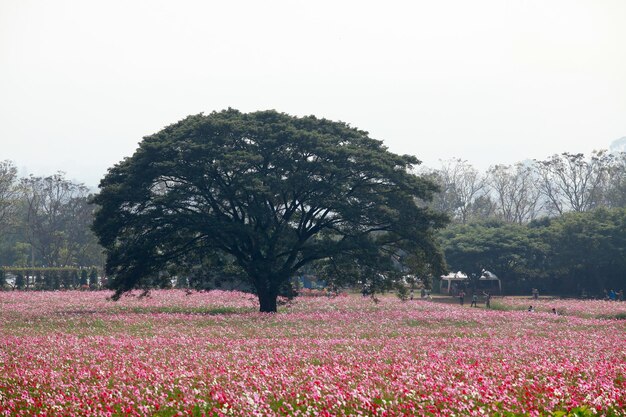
x=268 y=192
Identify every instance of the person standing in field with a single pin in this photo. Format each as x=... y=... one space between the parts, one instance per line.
x=612 y=295
x=487 y=299
x=474 y=300
x=461 y=297
x=535 y=293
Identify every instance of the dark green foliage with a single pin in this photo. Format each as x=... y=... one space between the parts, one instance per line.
x=53 y=280
x=268 y=193
x=504 y=248
x=45 y=221
x=93 y=278
x=48 y=278
x=181 y=282
x=84 y=277
x=564 y=255
x=20 y=282
x=74 y=279
x=65 y=278
x=3 y=279
x=587 y=250
x=55 y=221
x=209 y=271
x=39 y=281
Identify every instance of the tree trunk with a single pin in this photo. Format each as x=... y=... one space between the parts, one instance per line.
x=267 y=282
x=267 y=301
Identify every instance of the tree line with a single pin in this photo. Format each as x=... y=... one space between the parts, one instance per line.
x=50 y=279
x=558 y=224
x=529 y=190
x=575 y=254
x=45 y=221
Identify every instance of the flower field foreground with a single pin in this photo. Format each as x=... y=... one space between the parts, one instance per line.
x=173 y=354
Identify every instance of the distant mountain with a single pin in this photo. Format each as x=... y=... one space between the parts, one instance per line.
x=618 y=145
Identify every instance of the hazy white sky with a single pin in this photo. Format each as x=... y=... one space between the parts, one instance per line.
x=81 y=82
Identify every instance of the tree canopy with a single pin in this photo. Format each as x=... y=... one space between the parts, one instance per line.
x=571 y=254
x=45 y=222
x=270 y=192
x=496 y=246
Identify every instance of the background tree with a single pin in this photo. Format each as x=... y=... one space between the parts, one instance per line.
x=446 y=200
x=57 y=219
x=463 y=191
x=84 y=278
x=503 y=248
x=39 y=280
x=571 y=182
x=586 y=251
x=615 y=195
x=515 y=192
x=271 y=191
x=81 y=246
x=8 y=208
x=8 y=193
x=20 y=282
x=563 y=255
x=65 y=279
x=93 y=278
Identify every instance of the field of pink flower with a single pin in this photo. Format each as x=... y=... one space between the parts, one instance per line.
x=75 y=353
x=568 y=307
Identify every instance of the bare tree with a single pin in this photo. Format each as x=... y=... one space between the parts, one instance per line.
x=570 y=182
x=461 y=185
x=55 y=216
x=446 y=200
x=515 y=191
x=8 y=194
x=483 y=207
x=615 y=195
x=82 y=246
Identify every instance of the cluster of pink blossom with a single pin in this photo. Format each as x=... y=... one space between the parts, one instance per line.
x=580 y=308
x=75 y=353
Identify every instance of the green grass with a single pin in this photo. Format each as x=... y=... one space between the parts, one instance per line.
x=501 y=307
x=618 y=316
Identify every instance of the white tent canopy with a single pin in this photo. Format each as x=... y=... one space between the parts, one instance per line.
x=455 y=276
x=488 y=276
x=460 y=277
x=450 y=278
